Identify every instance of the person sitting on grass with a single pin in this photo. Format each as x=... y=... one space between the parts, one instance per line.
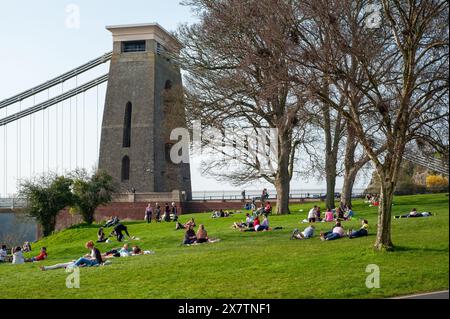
x=248 y=222
x=318 y=217
x=101 y=237
x=336 y=233
x=268 y=208
x=3 y=254
x=312 y=214
x=26 y=247
x=202 y=234
x=306 y=234
x=92 y=259
x=189 y=236
x=18 y=256
x=363 y=231
x=339 y=213
x=348 y=215
x=42 y=255
x=329 y=215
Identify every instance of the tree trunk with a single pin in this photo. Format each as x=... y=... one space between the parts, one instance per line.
x=89 y=217
x=48 y=226
x=331 y=185
x=347 y=188
x=283 y=178
x=282 y=186
x=384 y=241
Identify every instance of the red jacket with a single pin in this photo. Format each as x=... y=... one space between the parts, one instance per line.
x=41 y=256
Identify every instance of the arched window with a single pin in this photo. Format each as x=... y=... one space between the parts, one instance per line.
x=127 y=126
x=125 y=168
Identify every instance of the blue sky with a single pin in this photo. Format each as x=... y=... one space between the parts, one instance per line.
x=37 y=45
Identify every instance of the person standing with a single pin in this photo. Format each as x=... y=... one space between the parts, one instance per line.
x=158 y=212
x=173 y=209
x=243 y=195
x=166 y=212
x=148 y=213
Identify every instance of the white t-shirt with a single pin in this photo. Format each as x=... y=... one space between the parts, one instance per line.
x=312 y=213
x=3 y=254
x=18 y=258
x=338 y=230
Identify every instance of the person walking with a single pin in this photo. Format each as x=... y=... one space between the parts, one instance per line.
x=148 y=213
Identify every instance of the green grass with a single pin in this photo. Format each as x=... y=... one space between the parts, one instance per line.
x=250 y=265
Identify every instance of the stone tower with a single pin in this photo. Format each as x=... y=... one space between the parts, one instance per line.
x=143 y=104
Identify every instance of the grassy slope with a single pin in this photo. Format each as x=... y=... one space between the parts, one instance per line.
x=250 y=265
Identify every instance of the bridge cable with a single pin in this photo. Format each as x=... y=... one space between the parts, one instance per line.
x=76 y=124
x=70 y=133
x=84 y=128
x=97 y=146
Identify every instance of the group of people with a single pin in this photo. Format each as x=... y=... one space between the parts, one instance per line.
x=192 y=238
x=117 y=231
x=343 y=212
x=170 y=213
x=221 y=213
x=373 y=199
x=16 y=257
x=253 y=223
x=336 y=232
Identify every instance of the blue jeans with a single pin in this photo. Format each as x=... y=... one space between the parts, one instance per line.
x=358 y=233
x=332 y=236
x=85 y=261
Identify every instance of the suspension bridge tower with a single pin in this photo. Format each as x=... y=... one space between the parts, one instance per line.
x=143 y=105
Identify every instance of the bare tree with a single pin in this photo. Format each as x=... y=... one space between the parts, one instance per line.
x=239 y=75
x=402 y=79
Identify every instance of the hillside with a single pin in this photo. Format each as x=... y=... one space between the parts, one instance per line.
x=249 y=265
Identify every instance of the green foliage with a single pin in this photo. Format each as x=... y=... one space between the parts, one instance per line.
x=90 y=192
x=46 y=196
x=250 y=265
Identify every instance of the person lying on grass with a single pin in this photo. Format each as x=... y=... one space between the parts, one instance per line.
x=336 y=233
x=247 y=224
x=306 y=234
x=89 y=260
x=125 y=252
x=363 y=231
x=42 y=255
x=118 y=252
x=414 y=213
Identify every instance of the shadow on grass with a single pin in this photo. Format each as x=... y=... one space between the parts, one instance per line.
x=406 y=249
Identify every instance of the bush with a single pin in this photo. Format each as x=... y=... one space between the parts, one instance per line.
x=437 y=183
